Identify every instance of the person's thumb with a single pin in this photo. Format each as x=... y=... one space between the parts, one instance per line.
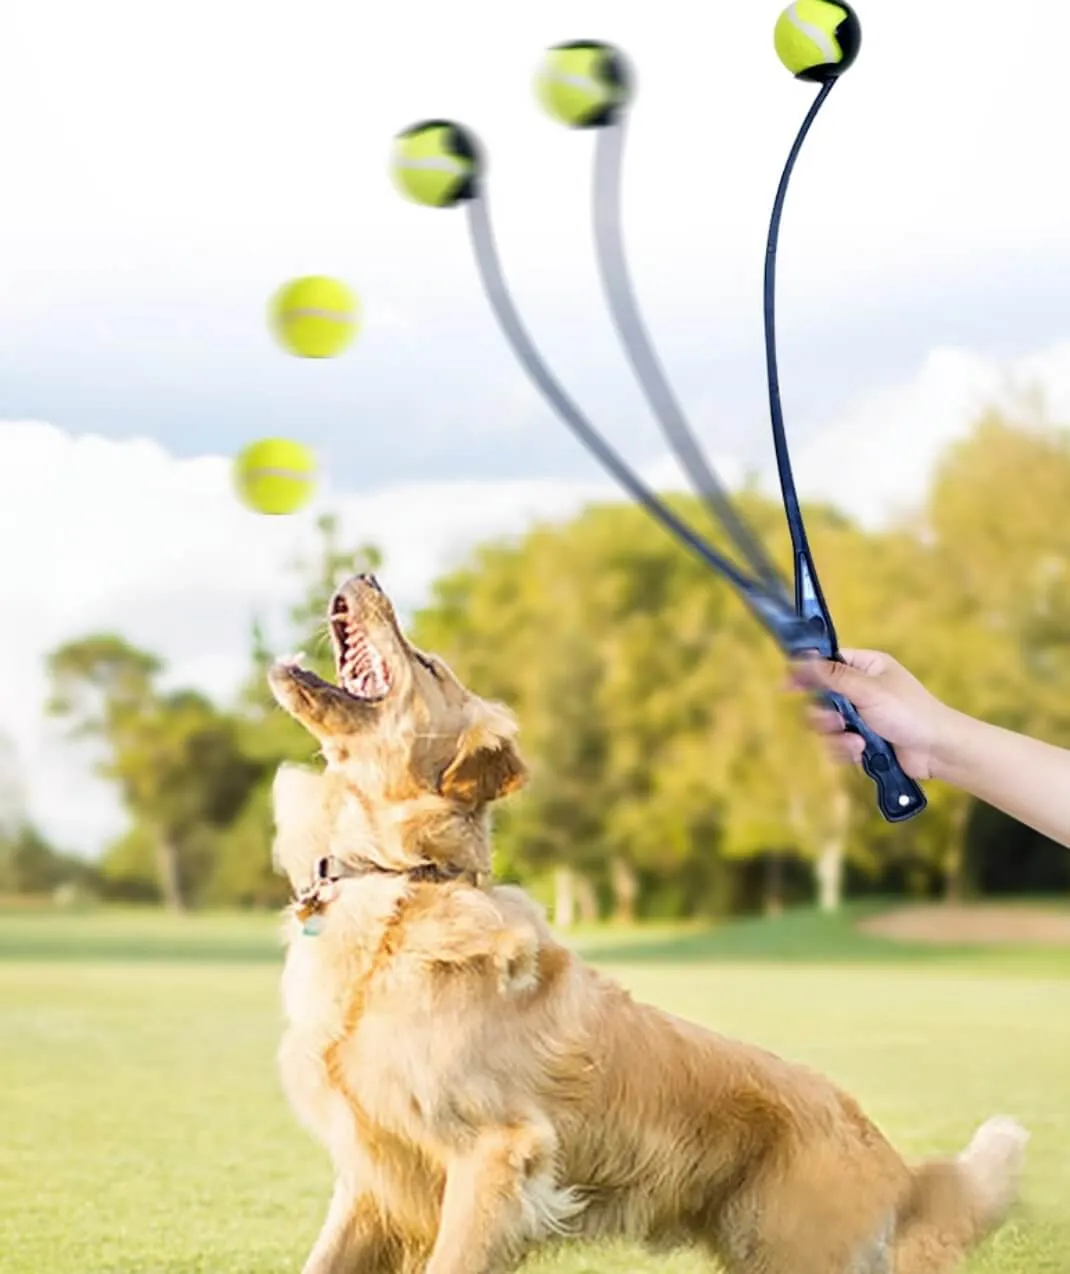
x=829 y=674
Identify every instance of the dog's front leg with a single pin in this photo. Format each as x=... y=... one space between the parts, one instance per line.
x=353 y=1239
x=500 y=1196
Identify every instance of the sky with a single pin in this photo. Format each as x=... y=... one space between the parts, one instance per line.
x=169 y=168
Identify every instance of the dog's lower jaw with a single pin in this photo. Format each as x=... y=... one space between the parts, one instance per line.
x=326 y=711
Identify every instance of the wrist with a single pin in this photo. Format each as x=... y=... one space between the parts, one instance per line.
x=951 y=744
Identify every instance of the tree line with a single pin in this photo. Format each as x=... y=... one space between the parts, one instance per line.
x=671 y=775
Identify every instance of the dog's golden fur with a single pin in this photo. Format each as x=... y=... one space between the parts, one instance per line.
x=481 y=1090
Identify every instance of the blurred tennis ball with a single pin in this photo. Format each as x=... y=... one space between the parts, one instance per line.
x=583 y=84
x=314 y=317
x=275 y=475
x=818 y=39
x=436 y=163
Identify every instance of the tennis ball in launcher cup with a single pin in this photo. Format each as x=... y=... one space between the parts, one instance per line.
x=818 y=39
x=314 y=316
x=583 y=84
x=275 y=475
x=437 y=163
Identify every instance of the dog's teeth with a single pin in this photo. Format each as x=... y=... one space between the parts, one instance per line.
x=361 y=668
x=292 y=661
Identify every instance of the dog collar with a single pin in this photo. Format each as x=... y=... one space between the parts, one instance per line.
x=311 y=902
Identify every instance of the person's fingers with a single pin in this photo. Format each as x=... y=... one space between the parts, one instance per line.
x=871 y=662
x=824 y=720
x=847 y=748
x=800 y=671
x=828 y=674
x=805 y=675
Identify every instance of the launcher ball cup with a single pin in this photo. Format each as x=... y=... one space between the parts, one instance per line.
x=818 y=40
x=584 y=84
x=436 y=163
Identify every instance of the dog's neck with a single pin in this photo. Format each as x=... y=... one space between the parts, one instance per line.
x=325 y=825
x=420 y=830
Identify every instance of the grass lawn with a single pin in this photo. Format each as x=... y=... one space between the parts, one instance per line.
x=142 y=1130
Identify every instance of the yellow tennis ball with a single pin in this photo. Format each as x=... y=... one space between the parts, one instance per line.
x=818 y=39
x=437 y=163
x=314 y=317
x=275 y=475
x=584 y=84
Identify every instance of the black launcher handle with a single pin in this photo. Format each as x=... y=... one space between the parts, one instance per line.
x=898 y=796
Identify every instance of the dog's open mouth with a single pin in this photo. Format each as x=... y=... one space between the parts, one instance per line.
x=363 y=670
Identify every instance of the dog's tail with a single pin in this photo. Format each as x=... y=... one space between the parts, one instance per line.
x=955 y=1203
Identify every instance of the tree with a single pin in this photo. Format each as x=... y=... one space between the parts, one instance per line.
x=668 y=769
x=176 y=759
x=492 y=624
x=606 y=638
x=12 y=797
x=30 y=865
x=993 y=565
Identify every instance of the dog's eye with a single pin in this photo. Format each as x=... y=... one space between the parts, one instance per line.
x=428 y=665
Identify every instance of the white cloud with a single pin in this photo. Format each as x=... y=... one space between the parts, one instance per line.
x=105 y=535
x=875 y=458
x=101 y=534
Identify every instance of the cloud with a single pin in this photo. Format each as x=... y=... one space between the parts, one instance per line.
x=875 y=459
x=163 y=197
x=124 y=536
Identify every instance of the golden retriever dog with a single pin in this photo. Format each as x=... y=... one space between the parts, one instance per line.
x=480 y=1090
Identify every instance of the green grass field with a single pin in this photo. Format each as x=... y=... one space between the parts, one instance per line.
x=142 y=1130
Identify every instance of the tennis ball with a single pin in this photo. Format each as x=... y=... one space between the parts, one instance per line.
x=275 y=475
x=437 y=163
x=583 y=84
x=818 y=39
x=314 y=317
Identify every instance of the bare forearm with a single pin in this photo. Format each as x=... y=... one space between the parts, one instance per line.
x=1023 y=777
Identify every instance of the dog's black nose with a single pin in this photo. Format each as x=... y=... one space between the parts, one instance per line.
x=366 y=577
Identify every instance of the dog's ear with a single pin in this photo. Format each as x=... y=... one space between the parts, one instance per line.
x=487 y=764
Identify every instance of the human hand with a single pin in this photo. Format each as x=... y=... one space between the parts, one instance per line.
x=889 y=699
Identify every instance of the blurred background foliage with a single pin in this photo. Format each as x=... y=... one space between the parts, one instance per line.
x=671 y=775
